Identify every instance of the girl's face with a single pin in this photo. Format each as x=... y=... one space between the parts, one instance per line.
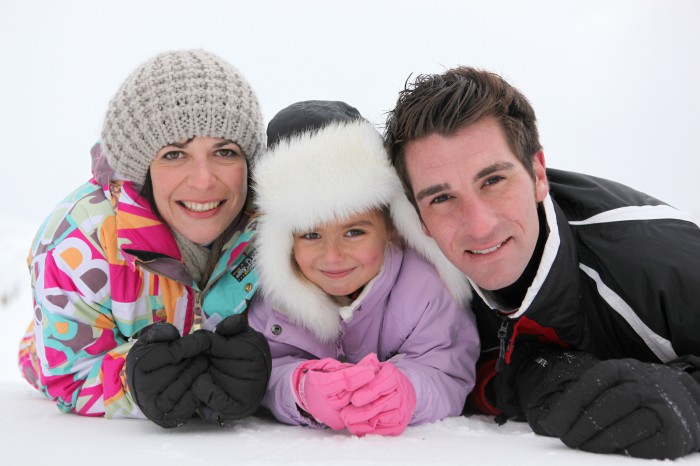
x=200 y=186
x=342 y=257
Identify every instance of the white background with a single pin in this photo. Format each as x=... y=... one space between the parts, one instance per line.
x=614 y=84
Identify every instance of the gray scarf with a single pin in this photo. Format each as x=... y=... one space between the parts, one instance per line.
x=201 y=260
x=195 y=257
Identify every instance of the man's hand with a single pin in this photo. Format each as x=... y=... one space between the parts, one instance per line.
x=623 y=406
x=160 y=370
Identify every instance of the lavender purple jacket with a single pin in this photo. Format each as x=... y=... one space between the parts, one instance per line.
x=406 y=316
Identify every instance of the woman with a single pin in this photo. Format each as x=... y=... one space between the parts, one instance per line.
x=140 y=276
x=369 y=325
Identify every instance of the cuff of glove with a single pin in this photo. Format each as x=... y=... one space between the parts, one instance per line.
x=298 y=377
x=477 y=399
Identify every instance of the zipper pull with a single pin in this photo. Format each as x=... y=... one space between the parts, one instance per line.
x=197 y=318
x=502 y=344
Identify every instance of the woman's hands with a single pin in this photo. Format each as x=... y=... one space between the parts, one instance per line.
x=221 y=375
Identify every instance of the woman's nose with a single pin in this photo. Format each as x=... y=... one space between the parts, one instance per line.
x=201 y=176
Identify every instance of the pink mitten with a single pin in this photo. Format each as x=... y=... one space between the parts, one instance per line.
x=322 y=387
x=383 y=406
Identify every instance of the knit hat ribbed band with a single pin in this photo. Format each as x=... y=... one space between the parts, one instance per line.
x=176 y=96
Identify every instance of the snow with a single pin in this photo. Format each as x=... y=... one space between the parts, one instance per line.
x=33 y=428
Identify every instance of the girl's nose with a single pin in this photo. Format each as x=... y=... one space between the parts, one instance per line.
x=332 y=252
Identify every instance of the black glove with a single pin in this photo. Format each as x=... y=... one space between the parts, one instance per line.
x=160 y=370
x=624 y=406
x=533 y=366
x=239 y=370
x=543 y=379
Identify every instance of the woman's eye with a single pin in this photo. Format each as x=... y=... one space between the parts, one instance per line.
x=227 y=153
x=440 y=199
x=172 y=155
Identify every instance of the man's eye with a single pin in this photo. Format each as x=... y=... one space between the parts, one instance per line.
x=440 y=199
x=492 y=180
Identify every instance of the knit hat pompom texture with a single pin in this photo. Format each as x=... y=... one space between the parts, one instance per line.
x=176 y=96
x=326 y=173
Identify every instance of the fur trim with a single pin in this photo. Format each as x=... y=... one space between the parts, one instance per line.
x=320 y=177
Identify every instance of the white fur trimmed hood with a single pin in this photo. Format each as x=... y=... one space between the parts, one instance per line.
x=320 y=176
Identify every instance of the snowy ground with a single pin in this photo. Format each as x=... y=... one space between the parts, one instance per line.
x=35 y=432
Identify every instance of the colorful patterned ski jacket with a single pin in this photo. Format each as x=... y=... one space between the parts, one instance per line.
x=103 y=267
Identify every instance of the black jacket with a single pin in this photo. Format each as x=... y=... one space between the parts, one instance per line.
x=619 y=277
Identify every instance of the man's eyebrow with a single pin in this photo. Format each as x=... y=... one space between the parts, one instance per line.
x=493 y=168
x=430 y=190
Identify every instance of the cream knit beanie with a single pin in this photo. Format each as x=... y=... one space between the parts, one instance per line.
x=174 y=97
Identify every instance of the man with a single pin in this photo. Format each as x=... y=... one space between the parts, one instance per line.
x=587 y=292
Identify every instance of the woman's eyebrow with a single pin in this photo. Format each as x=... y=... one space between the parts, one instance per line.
x=223 y=143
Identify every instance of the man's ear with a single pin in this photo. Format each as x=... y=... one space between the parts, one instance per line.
x=541 y=183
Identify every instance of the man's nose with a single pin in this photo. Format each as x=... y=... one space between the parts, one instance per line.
x=479 y=219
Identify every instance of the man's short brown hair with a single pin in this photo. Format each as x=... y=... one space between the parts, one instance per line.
x=445 y=103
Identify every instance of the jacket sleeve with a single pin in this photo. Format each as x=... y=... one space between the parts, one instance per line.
x=78 y=349
x=439 y=357
x=642 y=258
x=285 y=358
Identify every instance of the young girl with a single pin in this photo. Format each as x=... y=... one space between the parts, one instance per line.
x=364 y=334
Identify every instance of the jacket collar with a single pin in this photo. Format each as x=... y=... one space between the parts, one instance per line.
x=140 y=234
x=380 y=286
x=556 y=282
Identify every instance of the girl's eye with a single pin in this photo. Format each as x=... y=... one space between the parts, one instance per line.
x=440 y=199
x=311 y=235
x=354 y=232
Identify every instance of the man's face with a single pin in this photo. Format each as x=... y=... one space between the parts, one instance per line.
x=478 y=201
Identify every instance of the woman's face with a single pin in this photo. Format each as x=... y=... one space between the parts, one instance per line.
x=342 y=257
x=200 y=186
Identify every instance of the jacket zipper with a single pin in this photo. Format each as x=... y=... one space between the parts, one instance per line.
x=502 y=343
x=197 y=318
